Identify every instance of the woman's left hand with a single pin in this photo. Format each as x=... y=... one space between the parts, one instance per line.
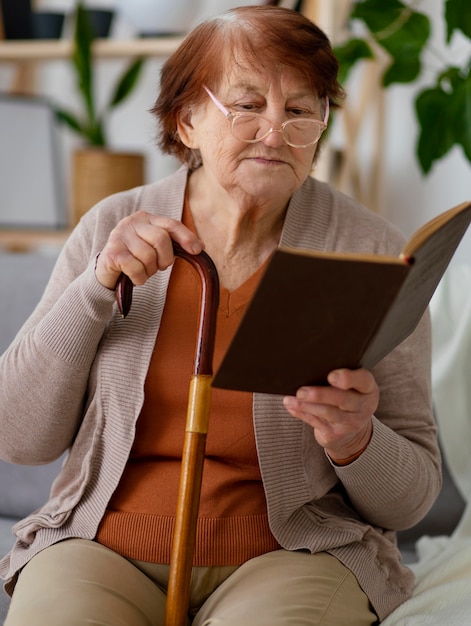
x=339 y=413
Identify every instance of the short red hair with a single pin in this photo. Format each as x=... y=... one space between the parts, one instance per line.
x=266 y=36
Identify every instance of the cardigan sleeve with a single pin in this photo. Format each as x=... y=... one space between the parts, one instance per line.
x=395 y=481
x=44 y=373
x=53 y=353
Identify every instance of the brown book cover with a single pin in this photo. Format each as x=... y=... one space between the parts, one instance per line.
x=317 y=311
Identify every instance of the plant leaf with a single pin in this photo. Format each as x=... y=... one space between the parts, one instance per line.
x=450 y=78
x=349 y=53
x=69 y=119
x=408 y=38
x=82 y=59
x=96 y=134
x=127 y=83
x=405 y=45
x=377 y=14
x=401 y=31
x=434 y=109
x=462 y=113
x=457 y=16
x=401 y=71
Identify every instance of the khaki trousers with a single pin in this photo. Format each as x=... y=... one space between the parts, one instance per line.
x=81 y=583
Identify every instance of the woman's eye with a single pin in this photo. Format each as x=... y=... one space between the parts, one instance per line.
x=299 y=112
x=247 y=106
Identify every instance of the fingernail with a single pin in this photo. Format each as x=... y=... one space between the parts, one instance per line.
x=333 y=377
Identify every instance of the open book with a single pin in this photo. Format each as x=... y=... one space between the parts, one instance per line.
x=317 y=311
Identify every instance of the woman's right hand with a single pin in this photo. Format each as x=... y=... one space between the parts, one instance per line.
x=140 y=245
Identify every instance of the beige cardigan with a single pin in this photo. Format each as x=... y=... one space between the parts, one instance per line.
x=74 y=377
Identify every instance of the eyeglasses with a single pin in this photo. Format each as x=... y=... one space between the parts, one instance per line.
x=253 y=127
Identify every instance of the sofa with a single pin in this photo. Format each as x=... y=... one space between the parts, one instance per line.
x=23 y=277
x=22 y=489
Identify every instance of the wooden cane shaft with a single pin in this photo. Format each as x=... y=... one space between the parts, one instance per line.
x=181 y=559
x=188 y=501
x=199 y=399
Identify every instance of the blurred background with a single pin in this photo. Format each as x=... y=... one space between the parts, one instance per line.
x=370 y=152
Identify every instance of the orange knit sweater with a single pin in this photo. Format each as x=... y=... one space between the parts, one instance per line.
x=232 y=525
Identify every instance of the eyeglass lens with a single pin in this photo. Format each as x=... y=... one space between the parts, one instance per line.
x=252 y=128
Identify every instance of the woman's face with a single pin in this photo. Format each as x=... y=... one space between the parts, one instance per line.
x=269 y=169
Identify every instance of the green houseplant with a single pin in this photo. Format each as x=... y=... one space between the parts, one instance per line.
x=91 y=125
x=97 y=171
x=397 y=29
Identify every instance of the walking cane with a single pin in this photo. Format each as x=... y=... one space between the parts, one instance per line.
x=196 y=429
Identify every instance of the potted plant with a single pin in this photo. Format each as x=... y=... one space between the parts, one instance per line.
x=97 y=171
x=395 y=30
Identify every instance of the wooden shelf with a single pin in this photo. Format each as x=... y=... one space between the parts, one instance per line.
x=19 y=240
x=49 y=50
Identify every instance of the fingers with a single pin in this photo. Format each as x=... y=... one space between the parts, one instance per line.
x=339 y=413
x=140 y=245
x=349 y=391
x=360 y=379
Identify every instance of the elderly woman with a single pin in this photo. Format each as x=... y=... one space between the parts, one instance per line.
x=301 y=495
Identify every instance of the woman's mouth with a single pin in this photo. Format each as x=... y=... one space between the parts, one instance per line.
x=267 y=160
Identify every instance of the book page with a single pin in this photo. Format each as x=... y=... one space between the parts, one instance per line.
x=427 y=267
x=432 y=228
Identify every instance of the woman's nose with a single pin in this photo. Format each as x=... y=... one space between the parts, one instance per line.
x=275 y=138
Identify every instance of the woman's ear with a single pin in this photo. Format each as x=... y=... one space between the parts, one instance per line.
x=185 y=128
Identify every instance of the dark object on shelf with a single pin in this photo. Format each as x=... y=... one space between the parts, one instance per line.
x=17 y=23
x=100 y=21
x=47 y=24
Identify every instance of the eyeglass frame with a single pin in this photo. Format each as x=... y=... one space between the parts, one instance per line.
x=231 y=117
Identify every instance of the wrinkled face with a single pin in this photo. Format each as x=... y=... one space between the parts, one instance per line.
x=269 y=168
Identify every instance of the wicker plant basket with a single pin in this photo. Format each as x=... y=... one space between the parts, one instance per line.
x=97 y=173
